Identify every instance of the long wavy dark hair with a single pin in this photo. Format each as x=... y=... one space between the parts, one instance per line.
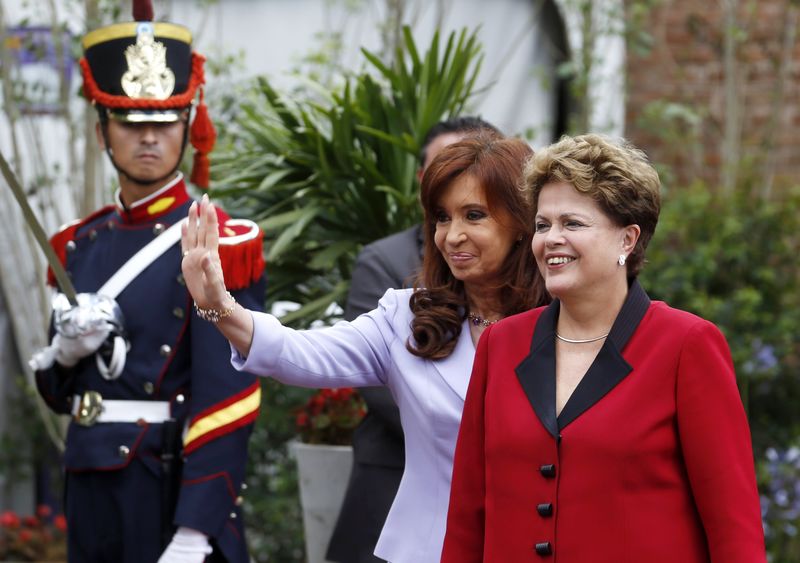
x=439 y=302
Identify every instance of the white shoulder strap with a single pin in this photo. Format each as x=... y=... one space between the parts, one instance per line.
x=141 y=260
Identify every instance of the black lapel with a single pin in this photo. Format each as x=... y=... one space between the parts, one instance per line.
x=537 y=372
x=609 y=367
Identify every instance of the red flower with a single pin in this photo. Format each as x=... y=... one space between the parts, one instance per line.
x=330 y=416
x=316 y=404
x=10 y=520
x=31 y=538
x=44 y=511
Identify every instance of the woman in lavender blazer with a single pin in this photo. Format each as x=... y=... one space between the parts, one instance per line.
x=478 y=268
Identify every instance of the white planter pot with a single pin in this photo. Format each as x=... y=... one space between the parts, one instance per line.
x=323 y=472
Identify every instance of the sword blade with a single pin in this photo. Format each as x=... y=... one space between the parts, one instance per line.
x=64 y=283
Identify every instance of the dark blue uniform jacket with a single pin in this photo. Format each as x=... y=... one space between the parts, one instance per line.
x=174 y=356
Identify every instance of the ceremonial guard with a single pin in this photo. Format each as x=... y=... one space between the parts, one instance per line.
x=157 y=446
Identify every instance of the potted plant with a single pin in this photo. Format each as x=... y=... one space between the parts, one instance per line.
x=325 y=426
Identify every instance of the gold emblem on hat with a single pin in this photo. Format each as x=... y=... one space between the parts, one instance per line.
x=148 y=76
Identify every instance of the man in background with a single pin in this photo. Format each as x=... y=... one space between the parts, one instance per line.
x=378 y=444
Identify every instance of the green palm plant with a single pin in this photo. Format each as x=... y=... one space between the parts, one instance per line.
x=324 y=172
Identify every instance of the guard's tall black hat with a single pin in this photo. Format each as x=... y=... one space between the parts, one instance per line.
x=145 y=71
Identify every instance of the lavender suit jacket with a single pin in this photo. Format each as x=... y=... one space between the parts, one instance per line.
x=371 y=350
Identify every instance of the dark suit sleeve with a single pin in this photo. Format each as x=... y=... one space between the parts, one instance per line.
x=372 y=276
x=463 y=541
x=715 y=440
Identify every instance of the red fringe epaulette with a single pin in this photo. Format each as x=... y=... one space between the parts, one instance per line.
x=67 y=233
x=240 y=251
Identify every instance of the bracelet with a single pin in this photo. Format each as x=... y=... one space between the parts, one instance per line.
x=216 y=315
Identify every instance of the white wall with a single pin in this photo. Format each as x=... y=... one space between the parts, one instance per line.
x=519 y=63
x=607 y=80
x=273 y=34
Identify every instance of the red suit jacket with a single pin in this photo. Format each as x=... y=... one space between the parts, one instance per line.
x=649 y=460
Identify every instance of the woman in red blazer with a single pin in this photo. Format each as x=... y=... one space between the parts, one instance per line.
x=605 y=427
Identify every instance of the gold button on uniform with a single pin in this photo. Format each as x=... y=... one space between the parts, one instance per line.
x=165 y=350
x=180 y=398
x=124 y=452
x=178 y=312
x=149 y=387
x=158 y=228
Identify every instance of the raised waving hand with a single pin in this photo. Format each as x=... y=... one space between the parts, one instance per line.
x=205 y=279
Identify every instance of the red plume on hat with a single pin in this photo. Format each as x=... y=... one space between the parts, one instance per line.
x=142 y=10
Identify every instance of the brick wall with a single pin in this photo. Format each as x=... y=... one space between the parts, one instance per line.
x=685 y=68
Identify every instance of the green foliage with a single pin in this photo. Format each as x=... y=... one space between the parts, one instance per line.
x=325 y=172
x=734 y=261
x=272 y=503
x=779 y=478
x=23 y=451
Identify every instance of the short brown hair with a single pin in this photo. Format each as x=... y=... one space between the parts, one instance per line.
x=617 y=175
x=439 y=303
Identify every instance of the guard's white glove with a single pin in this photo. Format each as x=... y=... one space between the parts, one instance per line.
x=80 y=330
x=187 y=546
x=69 y=351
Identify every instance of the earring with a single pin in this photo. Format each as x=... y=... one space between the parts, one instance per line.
x=621 y=260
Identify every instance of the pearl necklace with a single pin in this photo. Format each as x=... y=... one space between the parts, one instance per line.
x=581 y=341
x=480 y=321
